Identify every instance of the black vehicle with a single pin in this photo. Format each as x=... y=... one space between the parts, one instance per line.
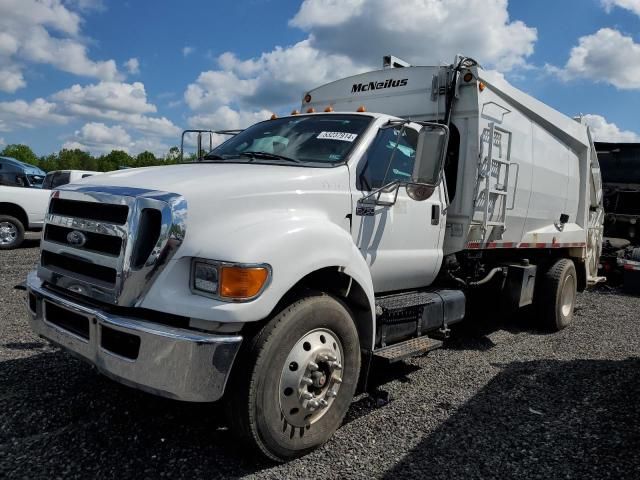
x=15 y=173
x=620 y=167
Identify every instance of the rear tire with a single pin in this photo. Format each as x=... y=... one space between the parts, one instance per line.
x=272 y=404
x=557 y=295
x=11 y=232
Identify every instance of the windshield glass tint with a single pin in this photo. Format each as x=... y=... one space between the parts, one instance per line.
x=319 y=138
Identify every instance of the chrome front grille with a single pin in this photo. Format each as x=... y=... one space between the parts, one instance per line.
x=109 y=243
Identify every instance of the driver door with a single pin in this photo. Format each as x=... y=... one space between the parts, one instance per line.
x=402 y=241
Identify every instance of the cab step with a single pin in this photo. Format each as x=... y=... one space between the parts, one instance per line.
x=409 y=348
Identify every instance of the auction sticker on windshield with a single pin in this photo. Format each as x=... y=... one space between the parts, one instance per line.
x=343 y=136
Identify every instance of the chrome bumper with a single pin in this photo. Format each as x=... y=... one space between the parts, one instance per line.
x=170 y=362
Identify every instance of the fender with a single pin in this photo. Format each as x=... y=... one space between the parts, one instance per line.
x=294 y=246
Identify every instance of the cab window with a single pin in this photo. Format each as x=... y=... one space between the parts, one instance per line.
x=377 y=171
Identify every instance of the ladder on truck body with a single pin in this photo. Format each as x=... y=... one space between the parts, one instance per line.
x=494 y=190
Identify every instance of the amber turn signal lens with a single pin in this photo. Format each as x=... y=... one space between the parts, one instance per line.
x=329 y=109
x=468 y=77
x=242 y=282
x=311 y=110
x=361 y=109
x=481 y=86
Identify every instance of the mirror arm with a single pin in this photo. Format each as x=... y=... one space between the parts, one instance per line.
x=368 y=198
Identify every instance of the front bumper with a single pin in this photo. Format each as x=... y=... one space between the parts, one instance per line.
x=171 y=362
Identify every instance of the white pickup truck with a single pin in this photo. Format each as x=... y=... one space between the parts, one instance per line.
x=308 y=250
x=21 y=209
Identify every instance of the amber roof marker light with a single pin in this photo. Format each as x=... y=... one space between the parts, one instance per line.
x=361 y=109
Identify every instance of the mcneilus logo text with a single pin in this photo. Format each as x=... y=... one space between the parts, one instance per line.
x=390 y=83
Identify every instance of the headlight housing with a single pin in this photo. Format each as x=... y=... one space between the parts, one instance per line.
x=235 y=282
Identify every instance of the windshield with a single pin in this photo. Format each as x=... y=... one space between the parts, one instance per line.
x=318 y=139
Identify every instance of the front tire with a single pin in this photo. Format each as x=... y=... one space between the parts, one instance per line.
x=11 y=232
x=296 y=378
x=558 y=292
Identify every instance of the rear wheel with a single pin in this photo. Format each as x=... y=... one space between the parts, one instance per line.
x=558 y=292
x=296 y=379
x=11 y=232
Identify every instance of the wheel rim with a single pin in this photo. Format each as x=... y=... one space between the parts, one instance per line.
x=311 y=377
x=568 y=295
x=8 y=233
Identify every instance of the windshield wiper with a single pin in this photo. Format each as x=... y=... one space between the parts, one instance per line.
x=213 y=156
x=274 y=156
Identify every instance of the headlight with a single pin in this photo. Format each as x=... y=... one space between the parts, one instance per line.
x=228 y=281
x=205 y=277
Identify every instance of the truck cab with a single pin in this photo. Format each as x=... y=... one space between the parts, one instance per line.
x=285 y=264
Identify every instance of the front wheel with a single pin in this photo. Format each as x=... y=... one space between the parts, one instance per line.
x=11 y=232
x=296 y=378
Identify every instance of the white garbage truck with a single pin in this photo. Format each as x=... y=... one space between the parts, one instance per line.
x=305 y=251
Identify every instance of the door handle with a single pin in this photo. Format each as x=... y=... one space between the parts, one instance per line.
x=435 y=214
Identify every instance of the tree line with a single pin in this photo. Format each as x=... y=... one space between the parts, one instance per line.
x=76 y=159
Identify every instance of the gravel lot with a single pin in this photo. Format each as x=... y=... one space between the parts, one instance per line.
x=501 y=400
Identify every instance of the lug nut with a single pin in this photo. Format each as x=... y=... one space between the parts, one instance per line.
x=313 y=366
x=307 y=396
x=335 y=365
x=331 y=393
x=313 y=404
x=323 y=403
x=337 y=380
x=306 y=381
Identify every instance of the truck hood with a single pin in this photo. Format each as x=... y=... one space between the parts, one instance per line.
x=199 y=181
x=226 y=198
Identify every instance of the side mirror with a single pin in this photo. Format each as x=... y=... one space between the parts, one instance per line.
x=427 y=171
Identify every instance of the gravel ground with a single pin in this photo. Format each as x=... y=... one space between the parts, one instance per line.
x=501 y=400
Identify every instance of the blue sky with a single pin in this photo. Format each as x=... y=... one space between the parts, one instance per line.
x=132 y=74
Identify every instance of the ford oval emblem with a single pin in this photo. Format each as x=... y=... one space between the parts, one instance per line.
x=76 y=238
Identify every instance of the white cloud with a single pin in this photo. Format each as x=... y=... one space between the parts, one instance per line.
x=606 y=56
x=2 y=141
x=116 y=96
x=186 y=51
x=45 y=32
x=20 y=113
x=346 y=37
x=420 y=31
x=11 y=80
x=123 y=103
x=226 y=118
x=133 y=66
x=604 y=131
x=98 y=138
x=631 y=5
x=115 y=101
x=275 y=78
